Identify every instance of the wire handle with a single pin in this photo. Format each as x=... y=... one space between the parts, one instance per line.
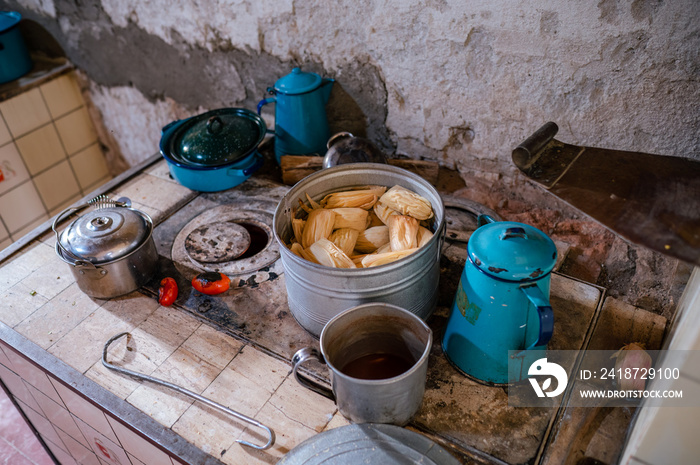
x=194 y=395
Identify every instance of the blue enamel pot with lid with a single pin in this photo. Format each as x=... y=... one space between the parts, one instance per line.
x=214 y=151
x=501 y=319
x=15 y=61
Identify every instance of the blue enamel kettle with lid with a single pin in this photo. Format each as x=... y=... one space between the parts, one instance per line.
x=301 y=124
x=502 y=302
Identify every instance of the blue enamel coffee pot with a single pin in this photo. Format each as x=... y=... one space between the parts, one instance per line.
x=502 y=302
x=301 y=125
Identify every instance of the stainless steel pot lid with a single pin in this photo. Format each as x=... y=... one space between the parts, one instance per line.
x=107 y=234
x=368 y=443
x=216 y=138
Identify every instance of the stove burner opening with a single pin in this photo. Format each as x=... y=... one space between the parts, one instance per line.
x=258 y=239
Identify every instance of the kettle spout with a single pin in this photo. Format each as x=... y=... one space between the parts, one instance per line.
x=326 y=87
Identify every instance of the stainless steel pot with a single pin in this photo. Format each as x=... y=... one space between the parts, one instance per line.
x=317 y=293
x=110 y=249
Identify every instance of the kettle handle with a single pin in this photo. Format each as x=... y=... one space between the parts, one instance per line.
x=264 y=102
x=544 y=312
x=484 y=219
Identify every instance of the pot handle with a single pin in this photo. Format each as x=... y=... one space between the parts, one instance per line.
x=170 y=125
x=544 y=312
x=257 y=162
x=65 y=253
x=300 y=357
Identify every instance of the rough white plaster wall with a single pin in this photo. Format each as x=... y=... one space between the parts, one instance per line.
x=468 y=80
x=41 y=6
x=133 y=121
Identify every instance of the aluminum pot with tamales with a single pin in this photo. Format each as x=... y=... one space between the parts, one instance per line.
x=359 y=233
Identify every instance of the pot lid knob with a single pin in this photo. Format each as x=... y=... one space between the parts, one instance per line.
x=298 y=82
x=107 y=234
x=512 y=251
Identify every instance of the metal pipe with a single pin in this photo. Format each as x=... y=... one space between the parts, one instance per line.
x=194 y=395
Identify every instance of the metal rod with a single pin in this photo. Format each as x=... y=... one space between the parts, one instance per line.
x=194 y=395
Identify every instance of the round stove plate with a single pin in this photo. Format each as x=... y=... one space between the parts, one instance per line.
x=218 y=242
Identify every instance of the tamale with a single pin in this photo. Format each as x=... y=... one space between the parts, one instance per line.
x=407 y=202
x=372 y=238
x=383 y=212
x=384 y=258
x=298 y=228
x=319 y=225
x=423 y=236
x=364 y=199
x=353 y=218
x=329 y=254
x=403 y=231
x=345 y=239
x=297 y=249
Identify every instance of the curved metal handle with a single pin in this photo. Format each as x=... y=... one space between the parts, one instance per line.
x=264 y=102
x=337 y=136
x=484 y=219
x=186 y=392
x=76 y=261
x=544 y=312
x=300 y=357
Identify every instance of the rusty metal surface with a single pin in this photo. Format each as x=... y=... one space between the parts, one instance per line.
x=217 y=242
x=650 y=200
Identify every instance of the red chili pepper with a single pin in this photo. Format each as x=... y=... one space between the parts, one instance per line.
x=211 y=283
x=167 y=292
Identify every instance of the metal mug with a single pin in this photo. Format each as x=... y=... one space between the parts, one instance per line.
x=367 y=348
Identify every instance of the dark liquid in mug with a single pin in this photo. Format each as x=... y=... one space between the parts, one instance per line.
x=377 y=366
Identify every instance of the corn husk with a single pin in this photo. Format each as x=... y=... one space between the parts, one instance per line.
x=423 y=236
x=298 y=228
x=403 y=231
x=357 y=259
x=345 y=239
x=319 y=225
x=306 y=254
x=407 y=202
x=297 y=249
x=353 y=218
x=383 y=212
x=361 y=198
x=384 y=258
x=373 y=219
x=372 y=238
x=383 y=249
x=329 y=254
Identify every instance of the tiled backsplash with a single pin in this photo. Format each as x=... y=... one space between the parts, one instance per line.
x=50 y=156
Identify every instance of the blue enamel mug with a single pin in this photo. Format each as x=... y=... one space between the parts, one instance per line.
x=502 y=302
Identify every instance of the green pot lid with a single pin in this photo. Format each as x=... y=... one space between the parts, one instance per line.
x=512 y=251
x=217 y=137
x=298 y=82
x=107 y=234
